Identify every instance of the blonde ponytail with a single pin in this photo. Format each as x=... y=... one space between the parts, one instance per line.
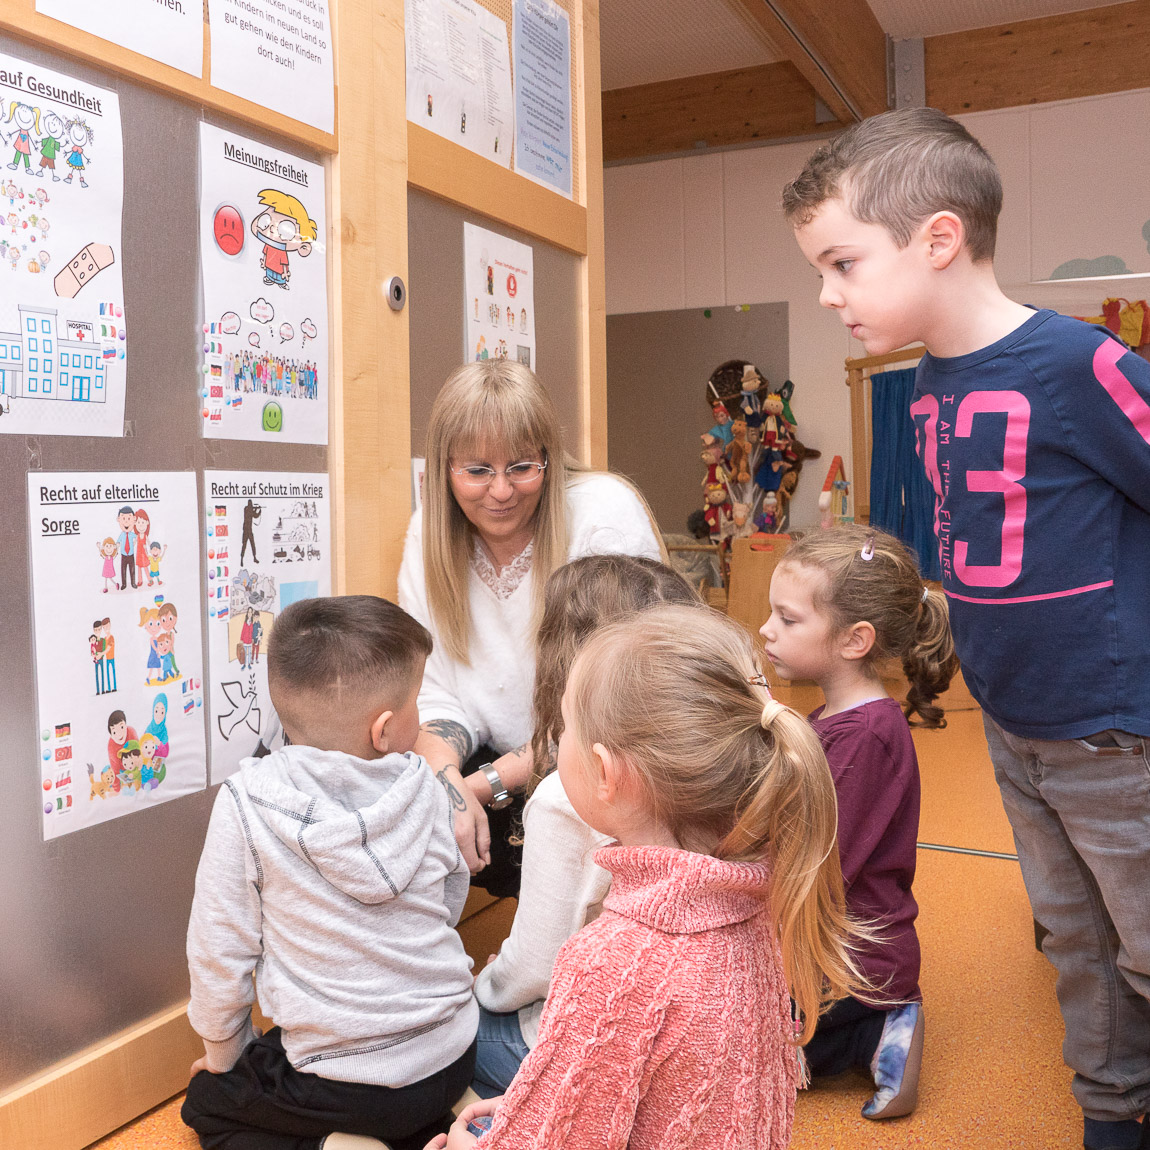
x=731 y=772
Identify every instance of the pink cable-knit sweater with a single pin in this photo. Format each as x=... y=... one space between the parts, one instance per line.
x=667 y=1021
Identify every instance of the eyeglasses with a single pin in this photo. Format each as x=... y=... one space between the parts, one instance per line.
x=520 y=474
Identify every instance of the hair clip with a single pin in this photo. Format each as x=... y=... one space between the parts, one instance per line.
x=925 y=593
x=760 y=680
x=867 y=552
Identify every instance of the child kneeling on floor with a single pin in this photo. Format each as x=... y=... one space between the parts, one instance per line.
x=840 y=600
x=668 y=1020
x=330 y=871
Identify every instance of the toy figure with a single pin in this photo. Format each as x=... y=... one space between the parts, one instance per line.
x=749 y=394
x=722 y=428
x=713 y=458
x=776 y=428
x=717 y=510
x=741 y=527
x=739 y=452
x=768 y=517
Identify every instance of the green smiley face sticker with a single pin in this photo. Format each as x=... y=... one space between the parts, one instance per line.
x=273 y=416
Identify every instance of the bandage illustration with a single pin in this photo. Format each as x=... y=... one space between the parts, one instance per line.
x=85 y=265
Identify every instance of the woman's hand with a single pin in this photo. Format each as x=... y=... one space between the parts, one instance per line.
x=446 y=746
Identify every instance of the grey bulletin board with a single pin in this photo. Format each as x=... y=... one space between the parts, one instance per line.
x=94 y=922
x=436 y=302
x=657 y=368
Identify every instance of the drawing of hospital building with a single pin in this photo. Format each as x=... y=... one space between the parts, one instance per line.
x=37 y=363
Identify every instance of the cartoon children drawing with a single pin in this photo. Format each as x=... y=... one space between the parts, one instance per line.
x=27 y=121
x=284 y=226
x=130 y=766
x=109 y=640
x=150 y=621
x=96 y=647
x=152 y=768
x=257 y=637
x=167 y=664
x=246 y=636
x=50 y=145
x=119 y=733
x=158 y=727
x=108 y=573
x=143 y=525
x=78 y=135
x=126 y=545
x=156 y=554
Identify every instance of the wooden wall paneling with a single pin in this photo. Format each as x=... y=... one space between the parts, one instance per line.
x=370 y=456
x=20 y=18
x=452 y=173
x=1062 y=57
x=839 y=48
x=767 y=102
x=593 y=273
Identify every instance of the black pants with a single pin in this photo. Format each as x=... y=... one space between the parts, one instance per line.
x=846 y=1037
x=502 y=875
x=264 y=1103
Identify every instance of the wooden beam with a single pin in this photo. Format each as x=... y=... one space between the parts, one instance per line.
x=840 y=49
x=1078 y=54
x=770 y=101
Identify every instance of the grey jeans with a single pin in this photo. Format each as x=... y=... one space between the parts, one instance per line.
x=1080 y=810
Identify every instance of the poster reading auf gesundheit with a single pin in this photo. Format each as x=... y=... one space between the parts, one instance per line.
x=263 y=225
x=498 y=288
x=116 y=598
x=63 y=347
x=268 y=544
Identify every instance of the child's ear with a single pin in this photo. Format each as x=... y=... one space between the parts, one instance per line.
x=945 y=235
x=608 y=773
x=857 y=640
x=379 y=735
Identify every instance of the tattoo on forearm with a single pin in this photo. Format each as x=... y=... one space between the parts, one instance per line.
x=454 y=734
x=457 y=801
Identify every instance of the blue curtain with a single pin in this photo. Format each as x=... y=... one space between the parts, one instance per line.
x=901 y=499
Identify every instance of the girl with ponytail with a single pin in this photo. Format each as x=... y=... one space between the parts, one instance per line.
x=669 y=1018
x=840 y=601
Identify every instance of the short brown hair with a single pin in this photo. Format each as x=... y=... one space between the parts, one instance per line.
x=899 y=168
x=345 y=644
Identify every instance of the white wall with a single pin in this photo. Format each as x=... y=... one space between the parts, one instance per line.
x=708 y=231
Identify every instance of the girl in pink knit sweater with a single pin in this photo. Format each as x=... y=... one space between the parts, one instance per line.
x=668 y=1022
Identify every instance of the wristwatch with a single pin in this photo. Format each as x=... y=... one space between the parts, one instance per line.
x=500 y=795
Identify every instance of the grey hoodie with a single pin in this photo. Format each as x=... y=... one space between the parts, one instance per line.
x=337 y=881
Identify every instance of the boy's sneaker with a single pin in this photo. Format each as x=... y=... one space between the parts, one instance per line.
x=1128 y=1135
x=896 y=1064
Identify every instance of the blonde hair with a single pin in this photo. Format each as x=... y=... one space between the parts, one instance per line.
x=579 y=597
x=911 y=622
x=35 y=113
x=729 y=771
x=289 y=206
x=495 y=401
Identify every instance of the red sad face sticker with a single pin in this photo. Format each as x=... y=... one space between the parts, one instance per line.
x=228 y=229
x=512 y=286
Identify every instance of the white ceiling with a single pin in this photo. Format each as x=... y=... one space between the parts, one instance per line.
x=643 y=41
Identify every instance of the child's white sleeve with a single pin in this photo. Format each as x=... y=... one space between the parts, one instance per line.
x=224 y=936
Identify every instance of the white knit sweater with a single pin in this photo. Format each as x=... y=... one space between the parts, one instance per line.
x=491 y=698
x=563 y=890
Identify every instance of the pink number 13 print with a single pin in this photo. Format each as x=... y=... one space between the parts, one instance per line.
x=1005 y=482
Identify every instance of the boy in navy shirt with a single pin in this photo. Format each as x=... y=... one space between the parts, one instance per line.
x=1034 y=429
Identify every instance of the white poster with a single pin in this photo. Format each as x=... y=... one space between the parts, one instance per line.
x=498 y=291
x=116 y=596
x=62 y=340
x=541 y=33
x=263 y=225
x=268 y=544
x=276 y=53
x=459 y=75
x=171 y=31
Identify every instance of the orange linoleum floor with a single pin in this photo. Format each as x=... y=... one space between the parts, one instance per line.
x=993 y=1076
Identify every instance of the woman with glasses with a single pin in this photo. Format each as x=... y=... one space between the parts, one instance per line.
x=503 y=506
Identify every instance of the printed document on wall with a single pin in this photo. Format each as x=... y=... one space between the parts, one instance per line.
x=268 y=544
x=541 y=37
x=171 y=31
x=63 y=348
x=276 y=53
x=499 y=297
x=116 y=598
x=459 y=75
x=263 y=227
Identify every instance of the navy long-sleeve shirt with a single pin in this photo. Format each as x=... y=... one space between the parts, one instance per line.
x=1038 y=448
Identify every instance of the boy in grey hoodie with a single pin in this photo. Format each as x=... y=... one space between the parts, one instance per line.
x=330 y=872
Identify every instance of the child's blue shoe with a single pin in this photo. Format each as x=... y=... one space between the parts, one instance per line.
x=896 y=1064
